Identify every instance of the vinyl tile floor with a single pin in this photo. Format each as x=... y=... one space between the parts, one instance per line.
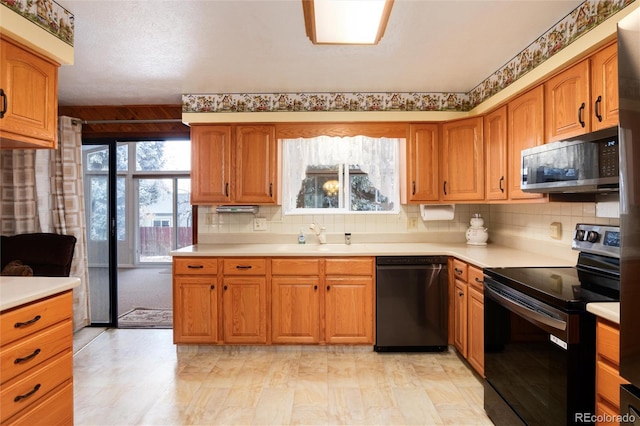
x=139 y=377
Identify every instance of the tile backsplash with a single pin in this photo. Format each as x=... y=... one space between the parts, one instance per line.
x=508 y=224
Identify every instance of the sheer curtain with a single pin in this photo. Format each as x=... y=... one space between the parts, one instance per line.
x=375 y=156
x=42 y=191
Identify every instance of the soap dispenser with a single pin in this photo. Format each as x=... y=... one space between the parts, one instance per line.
x=301 y=238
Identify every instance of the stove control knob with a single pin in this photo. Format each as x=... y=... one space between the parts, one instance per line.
x=592 y=236
x=579 y=236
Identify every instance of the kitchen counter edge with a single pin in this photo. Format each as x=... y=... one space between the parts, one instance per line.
x=18 y=291
x=607 y=310
x=489 y=256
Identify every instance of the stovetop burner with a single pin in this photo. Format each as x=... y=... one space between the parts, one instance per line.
x=595 y=278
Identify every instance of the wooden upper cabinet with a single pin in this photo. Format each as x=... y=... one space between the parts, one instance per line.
x=256 y=163
x=210 y=164
x=567 y=103
x=29 y=103
x=604 y=88
x=422 y=159
x=462 y=160
x=495 y=140
x=525 y=129
x=233 y=164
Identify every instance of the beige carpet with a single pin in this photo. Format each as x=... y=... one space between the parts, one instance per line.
x=146 y=318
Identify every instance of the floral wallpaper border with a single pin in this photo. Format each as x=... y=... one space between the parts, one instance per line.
x=46 y=14
x=582 y=19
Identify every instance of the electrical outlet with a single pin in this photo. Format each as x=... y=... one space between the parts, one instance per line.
x=555 y=230
x=412 y=223
x=259 y=224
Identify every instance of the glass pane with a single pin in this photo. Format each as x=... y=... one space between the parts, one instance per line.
x=121 y=208
x=320 y=188
x=155 y=198
x=163 y=156
x=98 y=210
x=97 y=216
x=185 y=217
x=122 y=158
x=364 y=195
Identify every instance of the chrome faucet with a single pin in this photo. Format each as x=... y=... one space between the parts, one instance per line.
x=320 y=233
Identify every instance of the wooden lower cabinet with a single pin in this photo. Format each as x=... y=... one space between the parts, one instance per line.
x=273 y=300
x=460 y=317
x=244 y=309
x=36 y=359
x=475 y=328
x=195 y=307
x=608 y=378
x=195 y=300
x=349 y=310
x=468 y=312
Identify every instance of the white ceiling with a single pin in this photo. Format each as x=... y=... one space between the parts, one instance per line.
x=153 y=51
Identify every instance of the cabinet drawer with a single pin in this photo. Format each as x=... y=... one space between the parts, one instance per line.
x=248 y=266
x=350 y=266
x=29 y=352
x=460 y=270
x=56 y=409
x=295 y=267
x=476 y=277
x=195 y=265
x=608 y=383
x=25 y=320
x=35 y=385
x=608 y=342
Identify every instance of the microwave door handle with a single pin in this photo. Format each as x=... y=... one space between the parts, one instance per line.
x=526 y=312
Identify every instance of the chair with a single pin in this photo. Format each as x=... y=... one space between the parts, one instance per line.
x=48 y=255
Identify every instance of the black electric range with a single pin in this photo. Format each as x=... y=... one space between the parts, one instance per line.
x=539 y=339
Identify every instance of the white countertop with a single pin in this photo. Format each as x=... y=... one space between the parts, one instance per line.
x=606 y=310
x=481 y=256
x=16 y=291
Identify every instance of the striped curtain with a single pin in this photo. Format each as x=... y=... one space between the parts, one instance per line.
x=42 y=191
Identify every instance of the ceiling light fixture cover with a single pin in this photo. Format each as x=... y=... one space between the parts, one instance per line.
x=346 y=21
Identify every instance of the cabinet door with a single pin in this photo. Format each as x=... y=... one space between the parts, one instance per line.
x=195 y=309
x=422 y=163
x=211 y=164
x=525 y=129
x=244 y=309
x=475 y=330
x=256 y=165
x=349 y=310
x=460 y=317
x=567 y=105
x=30 y=86
x=295 y=310
x=604 y=88
x=495 y=140
x=463 y=160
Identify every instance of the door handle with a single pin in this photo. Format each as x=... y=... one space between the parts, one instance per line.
x=413 y=191
x=597 y=108
x=444 y=187
x=580 y=114
x=501 y=182
x=4 y=103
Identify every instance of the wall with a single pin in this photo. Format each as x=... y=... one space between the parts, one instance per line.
x=524 y=226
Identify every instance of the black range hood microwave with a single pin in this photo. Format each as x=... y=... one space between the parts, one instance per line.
x=584 y=164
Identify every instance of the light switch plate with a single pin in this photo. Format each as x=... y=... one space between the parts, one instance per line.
x=259 y=224
x=555 y=230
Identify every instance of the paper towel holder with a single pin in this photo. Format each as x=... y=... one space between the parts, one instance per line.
x=432 y=212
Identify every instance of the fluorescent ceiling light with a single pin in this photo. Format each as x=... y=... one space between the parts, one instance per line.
x=346 y=21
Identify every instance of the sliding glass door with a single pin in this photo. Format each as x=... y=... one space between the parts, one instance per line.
x=137 y=197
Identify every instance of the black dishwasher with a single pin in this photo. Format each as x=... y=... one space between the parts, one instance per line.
x=411 y=303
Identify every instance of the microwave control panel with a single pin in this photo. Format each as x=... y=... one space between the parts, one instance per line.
x=609 y=158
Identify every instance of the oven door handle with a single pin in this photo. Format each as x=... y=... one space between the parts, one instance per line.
x=525 y=311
